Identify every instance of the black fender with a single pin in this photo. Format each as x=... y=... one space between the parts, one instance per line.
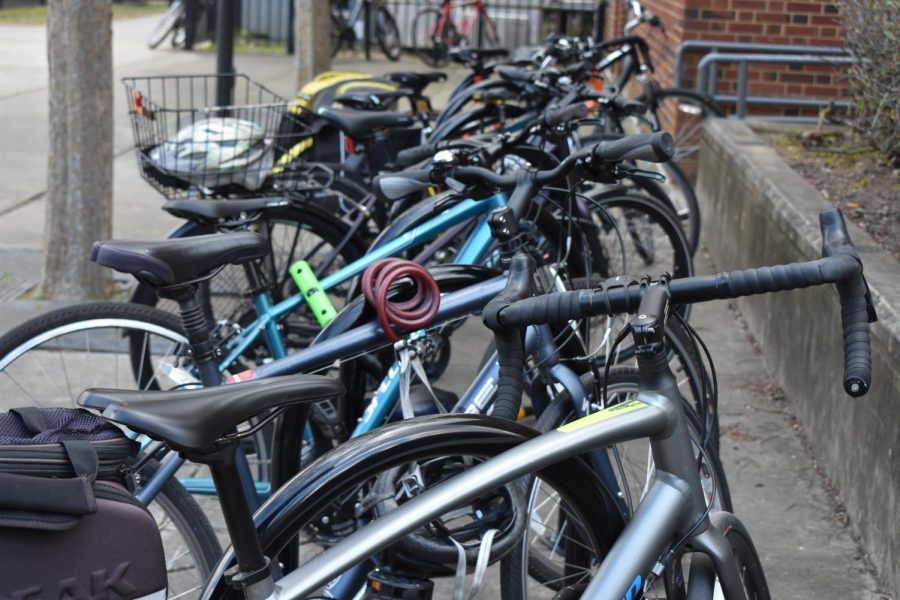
x=310 y=492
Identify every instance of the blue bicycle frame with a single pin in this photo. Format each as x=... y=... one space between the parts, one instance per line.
x=269 y=315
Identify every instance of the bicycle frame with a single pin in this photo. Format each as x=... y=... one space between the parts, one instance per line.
x=673 y=504
x=472 y=253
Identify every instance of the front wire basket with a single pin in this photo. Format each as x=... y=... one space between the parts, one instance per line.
x=189 y=147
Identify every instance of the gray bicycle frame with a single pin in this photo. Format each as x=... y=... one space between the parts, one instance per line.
x=674 y=505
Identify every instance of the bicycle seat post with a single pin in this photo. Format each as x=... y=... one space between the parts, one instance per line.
x=197 y=330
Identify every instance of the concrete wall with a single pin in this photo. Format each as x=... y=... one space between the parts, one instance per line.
x=758 y=211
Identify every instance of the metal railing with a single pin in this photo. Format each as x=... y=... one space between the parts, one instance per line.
x=744 y=54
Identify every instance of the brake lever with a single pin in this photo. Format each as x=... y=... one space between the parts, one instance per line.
x=622 y=172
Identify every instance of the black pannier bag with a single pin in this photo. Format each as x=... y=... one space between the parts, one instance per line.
x=69 y=527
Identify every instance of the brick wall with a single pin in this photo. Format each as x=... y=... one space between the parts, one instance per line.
x=812 y=22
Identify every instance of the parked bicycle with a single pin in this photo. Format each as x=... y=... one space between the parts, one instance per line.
x=363 y=21
x=435 y=32
x=179 y=25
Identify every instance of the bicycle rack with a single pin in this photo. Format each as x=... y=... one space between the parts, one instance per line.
x=743 y=55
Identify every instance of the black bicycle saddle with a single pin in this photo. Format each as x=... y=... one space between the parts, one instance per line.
x=193 y=420
x=361 y=123
x=212 y=210
x=167 y=263
x=416 y=81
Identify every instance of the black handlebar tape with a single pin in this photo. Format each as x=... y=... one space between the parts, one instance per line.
x=835 y=237
x=400 y=185
x=564 y=115
x=510 y=345
x=855 y=305
x=652 y=147
x=552 y=308
x=412 y=156
x=857 y=347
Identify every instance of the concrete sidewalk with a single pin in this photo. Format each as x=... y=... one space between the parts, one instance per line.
x=794 y=518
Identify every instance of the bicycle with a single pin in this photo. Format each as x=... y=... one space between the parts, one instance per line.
x=377 y=21
x=672 y=521
x=435 y=33
x=177 y=23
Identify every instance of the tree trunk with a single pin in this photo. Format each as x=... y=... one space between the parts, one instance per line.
x=79 y=174
x=312 y=38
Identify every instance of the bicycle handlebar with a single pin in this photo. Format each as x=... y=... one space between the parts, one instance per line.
x=840 y=265
x=651 y=147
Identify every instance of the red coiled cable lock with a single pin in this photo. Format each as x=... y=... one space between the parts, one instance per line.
x=412 y=314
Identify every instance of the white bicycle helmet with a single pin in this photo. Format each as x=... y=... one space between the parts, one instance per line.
x=216 y=152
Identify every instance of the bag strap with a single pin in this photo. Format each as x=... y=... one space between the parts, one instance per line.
x=33 y=419
x=83 y=457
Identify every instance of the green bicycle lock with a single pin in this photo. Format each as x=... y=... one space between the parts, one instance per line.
x=318 y=300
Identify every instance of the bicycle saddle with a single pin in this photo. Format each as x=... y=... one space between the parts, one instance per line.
x=194 y=419
x=171 y=262
x=374 y=100
x=416 y=81
x=473 y=57
x=360 y=123
x=214 y=210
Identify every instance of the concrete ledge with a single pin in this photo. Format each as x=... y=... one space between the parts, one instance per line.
x=758 y=211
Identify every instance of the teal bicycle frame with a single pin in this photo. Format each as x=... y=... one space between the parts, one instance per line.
x=268 y=315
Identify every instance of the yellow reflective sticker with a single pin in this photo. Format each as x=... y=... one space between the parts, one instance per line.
x=602 y=415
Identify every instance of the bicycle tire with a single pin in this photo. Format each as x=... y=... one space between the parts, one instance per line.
x=432 y=47
x=486 y=36
x=514 y=577
x=296 y=505
x=337 y=34
x=698 y=105
x=35 y=334
x=745 y=554
x=174 y=14
x=192 y=524
x=388 y=34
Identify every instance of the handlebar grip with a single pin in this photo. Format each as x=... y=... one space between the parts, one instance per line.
x=551 y=308
x=399 y=185
x=652 y=147
x=566 y=114
x=412 y=156
x=510 y=346
x=857 y=348
x=856 y=309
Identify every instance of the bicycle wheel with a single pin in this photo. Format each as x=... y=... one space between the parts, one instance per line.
x=537 y=567
x=483 y=34
x=52 y=358
x=431 y=43
x=639 y=235
x=190 y=543
x=170 y=20
x=681 y=112
x=677 y=187
x=743 y=553
x=332 y=486
x=387 y=33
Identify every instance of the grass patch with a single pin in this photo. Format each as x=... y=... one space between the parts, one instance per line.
x=37 y=15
